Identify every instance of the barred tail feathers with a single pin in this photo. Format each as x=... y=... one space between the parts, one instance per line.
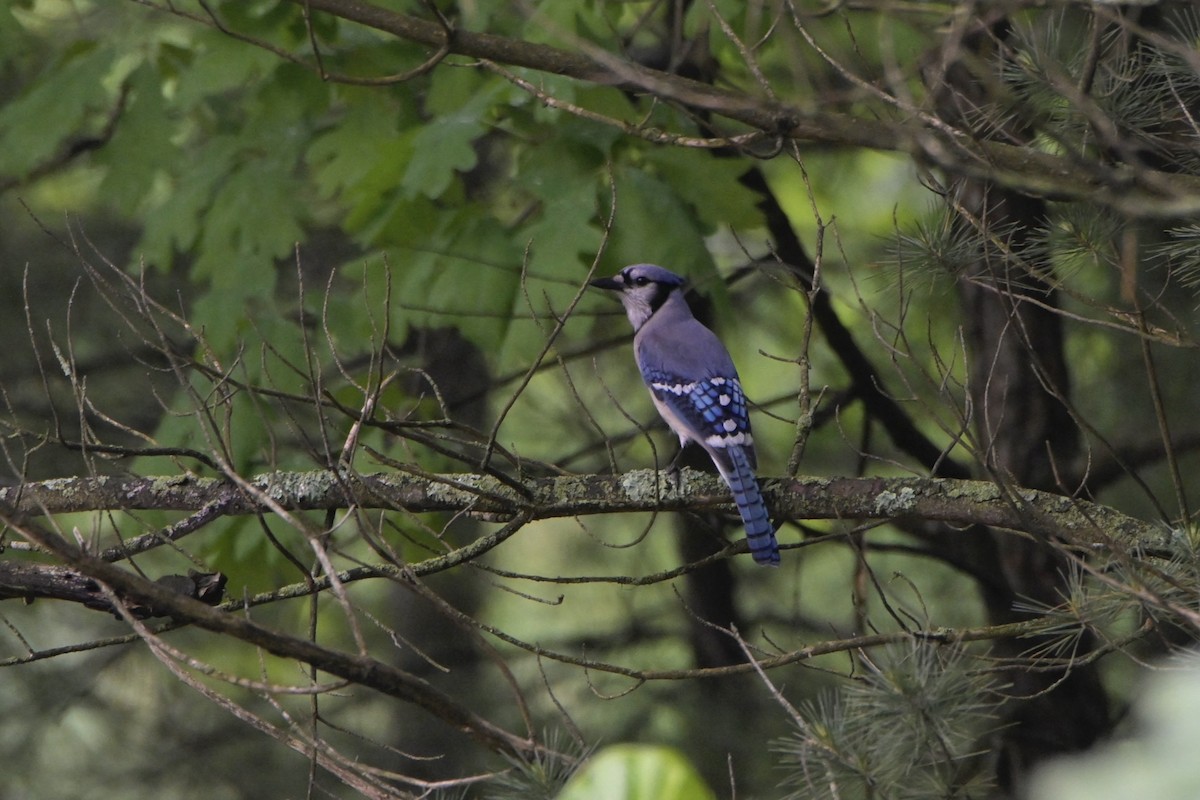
x=735 y=468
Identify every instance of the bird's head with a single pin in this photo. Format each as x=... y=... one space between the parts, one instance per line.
x=643 y=289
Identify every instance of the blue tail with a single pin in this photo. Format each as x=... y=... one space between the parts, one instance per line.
x=735 y=469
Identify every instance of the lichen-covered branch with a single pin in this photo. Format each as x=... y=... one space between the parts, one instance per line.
x=938 y=500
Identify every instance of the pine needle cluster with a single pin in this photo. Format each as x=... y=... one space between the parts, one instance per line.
x=1128 y=99
x=909 y=726
x=542 y=775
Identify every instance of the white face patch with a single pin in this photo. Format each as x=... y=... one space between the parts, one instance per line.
x=642 y=299
x=637 y=304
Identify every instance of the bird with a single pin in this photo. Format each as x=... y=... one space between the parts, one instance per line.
x=695 y=388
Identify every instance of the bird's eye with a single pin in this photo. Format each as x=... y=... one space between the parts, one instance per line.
x=641 y=280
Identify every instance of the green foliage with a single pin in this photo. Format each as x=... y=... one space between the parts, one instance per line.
x=653 y=225
x=709 y=185
x=56 y=109
x=542 y=775
x=909 y=726
x=932 y=249
x=560 y=178
x=141 y=148
x=11 y=33
x=637 y=772
x=349 y=156
x=1180 y=253
x=444 y=145
x=229 y=158
x=210 y=66
x=256 y=187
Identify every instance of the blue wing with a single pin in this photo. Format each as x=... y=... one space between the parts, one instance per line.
x=711 y=411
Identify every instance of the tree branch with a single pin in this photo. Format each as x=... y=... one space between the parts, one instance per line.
x=1135 y=191
x=359 y=669
x=942 y=500
x=28 y=581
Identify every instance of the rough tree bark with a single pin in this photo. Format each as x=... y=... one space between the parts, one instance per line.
x=1018 y=380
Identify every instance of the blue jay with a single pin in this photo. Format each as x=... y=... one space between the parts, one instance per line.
x=695 y=388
